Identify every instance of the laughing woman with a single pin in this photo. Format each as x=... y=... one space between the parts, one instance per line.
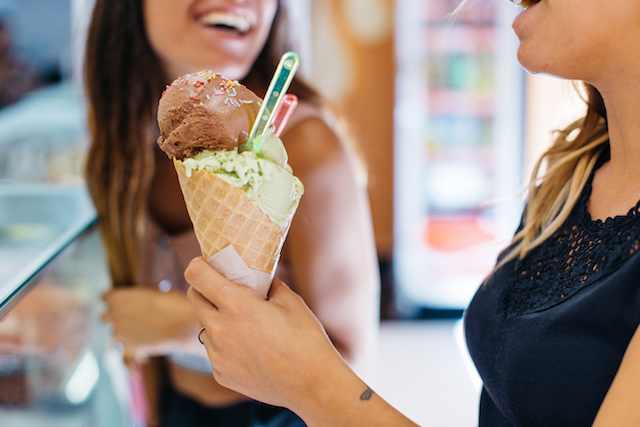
x=137 y=47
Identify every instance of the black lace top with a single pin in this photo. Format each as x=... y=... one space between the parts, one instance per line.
x=547 y=333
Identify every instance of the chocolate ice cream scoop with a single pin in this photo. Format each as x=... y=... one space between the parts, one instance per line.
x=204 y=110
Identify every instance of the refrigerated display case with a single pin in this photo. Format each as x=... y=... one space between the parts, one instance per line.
x=458 y=148
x=57 y=367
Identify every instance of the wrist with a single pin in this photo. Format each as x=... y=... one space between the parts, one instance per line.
x=335 y=393
x=339 y=398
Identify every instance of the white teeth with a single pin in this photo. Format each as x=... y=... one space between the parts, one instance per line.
x=220 y=19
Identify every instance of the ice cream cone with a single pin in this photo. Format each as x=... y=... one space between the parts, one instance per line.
x=222 y=215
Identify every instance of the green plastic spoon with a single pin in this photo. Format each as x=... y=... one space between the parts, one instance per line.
x=275 y=93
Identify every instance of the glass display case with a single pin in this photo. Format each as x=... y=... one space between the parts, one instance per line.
x=56 y=368
x=459 y=143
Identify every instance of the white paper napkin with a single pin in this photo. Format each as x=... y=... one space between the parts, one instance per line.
x=229 y=263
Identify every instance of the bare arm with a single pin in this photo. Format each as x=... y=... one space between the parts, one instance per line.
x=276 y=351
x=330 y=247
x=621 y=405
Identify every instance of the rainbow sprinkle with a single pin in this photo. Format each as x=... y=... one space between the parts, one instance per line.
x=226 y=87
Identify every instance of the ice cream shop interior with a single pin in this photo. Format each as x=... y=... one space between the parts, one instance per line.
x=444 y=126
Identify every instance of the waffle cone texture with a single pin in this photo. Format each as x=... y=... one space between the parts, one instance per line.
x=222 y=215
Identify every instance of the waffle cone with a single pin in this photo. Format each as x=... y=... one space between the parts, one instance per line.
x=222 y=215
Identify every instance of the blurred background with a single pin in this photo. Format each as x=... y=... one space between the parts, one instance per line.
x=447 y=121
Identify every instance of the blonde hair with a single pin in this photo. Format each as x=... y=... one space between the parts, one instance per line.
x=570 y=161
x=458 y=10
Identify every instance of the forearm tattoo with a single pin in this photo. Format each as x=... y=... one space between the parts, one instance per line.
x=366 y=395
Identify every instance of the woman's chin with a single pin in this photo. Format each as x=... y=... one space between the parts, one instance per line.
x=531 y=70
x=527 y=63
x=229 y=70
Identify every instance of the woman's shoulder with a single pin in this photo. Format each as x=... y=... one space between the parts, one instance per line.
x=316 y=140
x=314 y=133
x=304 y=112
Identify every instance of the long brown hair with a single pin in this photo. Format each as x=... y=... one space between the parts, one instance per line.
x=569 y=163
x=124 y=80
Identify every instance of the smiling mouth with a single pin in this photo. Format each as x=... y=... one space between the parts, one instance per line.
x=226 y=21
x=525 y=4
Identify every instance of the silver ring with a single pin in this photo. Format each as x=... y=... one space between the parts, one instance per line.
x=200 y=337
